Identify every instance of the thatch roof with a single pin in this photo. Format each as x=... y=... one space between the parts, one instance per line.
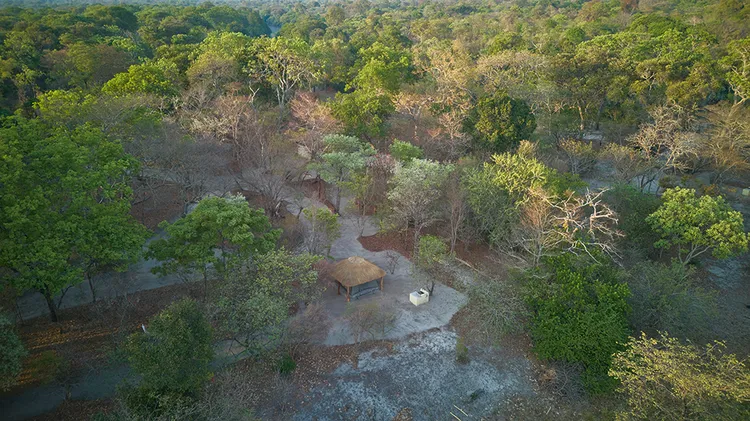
x=356 y=270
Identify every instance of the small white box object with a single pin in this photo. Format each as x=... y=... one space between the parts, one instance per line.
x=746 y=192
x=419 y=297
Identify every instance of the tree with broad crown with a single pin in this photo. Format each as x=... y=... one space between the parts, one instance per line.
x=254 y=301
x=405 y=151
x=665 y=379
x=282 y=62
x=64 y=206
x=343 y=157
x=695 y=225
x=172 y=355
x=415 y=192
x=579 y=315
x=153 y=77
x=498 y=122
x=227 y=224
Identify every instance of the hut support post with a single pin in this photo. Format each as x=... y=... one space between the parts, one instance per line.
x=348 y=294
x=381 y=283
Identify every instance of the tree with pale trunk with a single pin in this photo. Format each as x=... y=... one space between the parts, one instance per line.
x=728 y=145
x=695 y=225
x=415 y=193
x=737 y=65
x=573 y=223
x=580 y=155
x=344 y=157
x=314 y=121
x=324 y=229
x=283 y=63
x=669 y=139
x=458 y=208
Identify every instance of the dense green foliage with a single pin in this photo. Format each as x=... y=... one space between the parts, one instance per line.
x=343 y=158
x=633 y=207
x=12 y=353
x=229 y=225
x=666 y=379
x=695 y=225
x=405 y=151
x=64 y=206
x=667 y=298
x=254 y=301
x=498 y=123
x=501 y=107
x=172 y=357
x=580 y=315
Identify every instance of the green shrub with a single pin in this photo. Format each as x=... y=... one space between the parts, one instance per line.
x=173 y=355
x=462 y=351
x=12 y=353
x=286 y=364
x=497 y=308
x=633 y=207
x=579 y=315
x=405 y=151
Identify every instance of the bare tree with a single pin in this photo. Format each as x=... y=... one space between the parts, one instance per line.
x=312 y=121
x=580 y=155
x=631 y=163
x=574 y=223
x=266 y=161
x=194 y=165
x=669 y=138
x=373 y=319
x=311 y=325
x=392 y=259
x=414 y=105
x=728 y=146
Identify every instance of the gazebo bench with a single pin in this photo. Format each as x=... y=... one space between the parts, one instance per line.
x=364 y=291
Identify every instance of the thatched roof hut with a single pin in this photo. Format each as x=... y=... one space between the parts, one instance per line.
x=354 y=271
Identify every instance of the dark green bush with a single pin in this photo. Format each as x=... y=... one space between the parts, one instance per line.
x=286 y=364
x=579 y=315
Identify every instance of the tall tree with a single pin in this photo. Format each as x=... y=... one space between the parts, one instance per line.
x=65 y=199
x=172 y=357
x=344 y=156
x=255 y=300
x=498 y=123
x=226 y=224
x=284 y=63
x=415 y=192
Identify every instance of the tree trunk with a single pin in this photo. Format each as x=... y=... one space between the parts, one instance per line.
x=599 y=113
x=51 y=305
x=337 y=200
x=580 y=114
x=91 y=287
